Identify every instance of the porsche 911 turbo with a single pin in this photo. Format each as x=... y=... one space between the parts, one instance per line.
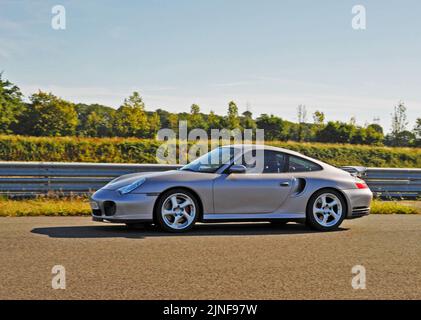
x=279 y=186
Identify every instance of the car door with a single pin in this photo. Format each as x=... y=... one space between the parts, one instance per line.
x=254 y=192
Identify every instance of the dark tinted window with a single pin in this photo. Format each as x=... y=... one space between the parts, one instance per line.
x=273 y=162
x=297 y=164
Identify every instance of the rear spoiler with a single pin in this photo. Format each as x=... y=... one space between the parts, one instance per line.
x=355 y=171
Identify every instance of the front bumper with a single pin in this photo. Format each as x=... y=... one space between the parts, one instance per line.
x=109 y=205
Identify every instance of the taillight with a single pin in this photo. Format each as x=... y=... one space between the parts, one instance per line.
x=361 y=185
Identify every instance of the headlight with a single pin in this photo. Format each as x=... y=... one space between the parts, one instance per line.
x=129 y=188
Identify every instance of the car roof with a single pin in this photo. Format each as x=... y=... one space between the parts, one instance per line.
x=247 y=147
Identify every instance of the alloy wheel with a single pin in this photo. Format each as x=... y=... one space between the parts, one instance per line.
x=327 y=209
x=178 y=211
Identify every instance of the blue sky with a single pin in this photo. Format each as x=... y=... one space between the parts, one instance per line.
x=268 y=55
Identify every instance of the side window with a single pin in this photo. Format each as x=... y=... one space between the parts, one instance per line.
x=297 y=164
x=273 y=162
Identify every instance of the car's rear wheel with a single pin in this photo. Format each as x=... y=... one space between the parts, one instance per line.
x=326 y=210
x=177 y=210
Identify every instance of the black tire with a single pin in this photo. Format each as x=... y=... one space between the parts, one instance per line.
x=161 y=201
x=311 y=220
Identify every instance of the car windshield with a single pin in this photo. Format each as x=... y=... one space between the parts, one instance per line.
x=212 y=161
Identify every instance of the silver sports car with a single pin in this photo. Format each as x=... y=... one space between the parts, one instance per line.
x=279 y=185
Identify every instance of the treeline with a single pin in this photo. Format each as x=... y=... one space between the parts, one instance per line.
x=49 y=115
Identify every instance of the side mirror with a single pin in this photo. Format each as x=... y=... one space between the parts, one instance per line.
x=237 y=168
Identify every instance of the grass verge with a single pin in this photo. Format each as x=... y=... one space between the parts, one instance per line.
x=80 y=207
x=44 y=207
x=395 y=207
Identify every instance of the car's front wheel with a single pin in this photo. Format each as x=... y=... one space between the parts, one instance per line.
x=177 y=210
x=326 y=210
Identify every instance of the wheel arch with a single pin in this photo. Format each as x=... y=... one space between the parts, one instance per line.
x=199 y=200
x=344 y=197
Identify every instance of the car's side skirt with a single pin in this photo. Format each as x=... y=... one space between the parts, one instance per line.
x=251 y=216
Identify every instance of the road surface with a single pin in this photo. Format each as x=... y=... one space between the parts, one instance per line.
x=225 y=261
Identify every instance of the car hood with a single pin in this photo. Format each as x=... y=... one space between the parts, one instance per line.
x=127 y=179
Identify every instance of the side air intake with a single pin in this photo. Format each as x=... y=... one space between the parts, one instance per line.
x=300 y=185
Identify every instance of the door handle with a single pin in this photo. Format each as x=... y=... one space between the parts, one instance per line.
x=284 y=184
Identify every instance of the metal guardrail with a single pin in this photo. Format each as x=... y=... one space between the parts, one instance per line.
x=28 y=178
x=393 y=183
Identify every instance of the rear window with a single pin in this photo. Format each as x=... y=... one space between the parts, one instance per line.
x=297 y=164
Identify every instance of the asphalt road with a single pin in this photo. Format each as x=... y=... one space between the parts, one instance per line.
x=225 y=261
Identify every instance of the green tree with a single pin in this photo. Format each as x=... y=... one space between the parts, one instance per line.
x=399 y=124
x=302 y=119
x=359 y=136
x=247 y=121
x=154 y=124
x=376 y=127
x=404 y=138
x=11 y=105
x=336 y=131
x=48 y=115
x=417 y=128
x=318 y=124
x=318 y=117
x=94 y=120
x=194 y=109
x=327 y=134
x=213 y=121
x=272 y=125
x=233 y=120
x=195 y=118
x=130 y=119
x=163 y=117
x=374 y=134
x=417 y=133
x=173 y=121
